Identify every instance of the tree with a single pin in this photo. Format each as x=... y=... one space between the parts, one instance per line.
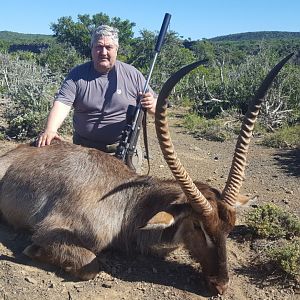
x=173 y=55
x=59 y=58
x=204 y=50
x=4 y=45
x=77 y=34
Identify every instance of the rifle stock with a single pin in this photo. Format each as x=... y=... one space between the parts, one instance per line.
x=130 y=134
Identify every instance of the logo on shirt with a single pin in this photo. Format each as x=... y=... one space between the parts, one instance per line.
x=119 y=92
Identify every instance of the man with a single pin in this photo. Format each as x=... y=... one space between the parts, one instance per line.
x=100 y=92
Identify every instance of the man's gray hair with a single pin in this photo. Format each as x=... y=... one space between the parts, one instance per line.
x=105 y=31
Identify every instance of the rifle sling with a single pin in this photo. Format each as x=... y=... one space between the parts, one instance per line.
x=145 y=136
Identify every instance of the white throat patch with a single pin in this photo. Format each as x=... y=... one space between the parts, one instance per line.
x=209 y=242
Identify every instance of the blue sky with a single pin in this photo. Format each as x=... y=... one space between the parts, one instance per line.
x=195 y=19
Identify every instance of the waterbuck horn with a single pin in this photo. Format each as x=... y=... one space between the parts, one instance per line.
x=236 y=174
x=196 y=198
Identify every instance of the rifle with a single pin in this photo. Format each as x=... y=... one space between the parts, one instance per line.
x=135 y=114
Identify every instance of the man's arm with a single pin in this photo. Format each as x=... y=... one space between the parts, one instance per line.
x=57 y=115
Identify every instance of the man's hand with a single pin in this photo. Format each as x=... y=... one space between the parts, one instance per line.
x=46 y=137
x=148 y=102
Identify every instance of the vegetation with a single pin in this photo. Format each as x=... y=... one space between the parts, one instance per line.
x=14 y=37
x=258 y=36
x=59 y=58
x=221 y=87
x=287 y=257
x=283 y=137
x=30 y=90
x=211 y=129
x=273 y=223
x=78 y=33
x=270 y=221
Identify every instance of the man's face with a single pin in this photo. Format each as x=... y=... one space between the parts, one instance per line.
x=104 y=54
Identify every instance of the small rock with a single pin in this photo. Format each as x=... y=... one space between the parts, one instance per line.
x=166 y=292
x=104 y=276
x=30 y=280
x=107 y=285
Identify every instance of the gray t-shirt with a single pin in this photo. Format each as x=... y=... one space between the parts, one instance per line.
x=100 y=101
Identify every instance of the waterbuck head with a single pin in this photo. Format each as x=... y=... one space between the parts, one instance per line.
x=214 y=213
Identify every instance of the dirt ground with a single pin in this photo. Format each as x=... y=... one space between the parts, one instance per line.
x=272 y=174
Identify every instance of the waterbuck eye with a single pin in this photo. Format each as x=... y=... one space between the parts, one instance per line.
x=197 y=226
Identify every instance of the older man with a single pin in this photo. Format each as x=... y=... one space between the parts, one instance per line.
x=100 y=92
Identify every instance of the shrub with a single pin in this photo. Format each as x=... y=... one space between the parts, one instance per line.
x=30 y=89
x=210 y=129
x=283 y=137
x=270 y=221
x=192 y=121
x=2 y=136
x=287 y=257
x=60 y=58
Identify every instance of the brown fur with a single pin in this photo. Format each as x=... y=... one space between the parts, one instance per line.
x=79 y=201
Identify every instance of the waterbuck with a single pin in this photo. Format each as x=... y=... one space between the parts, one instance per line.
x=78 y=201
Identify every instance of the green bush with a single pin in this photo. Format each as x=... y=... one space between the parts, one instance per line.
x=26 y=125
x=60 y=58
x=30 y=90
x=287 y=257
x=270 y=221
x=192 y=121
x=210 y=129
x=283 y=137
x=2 y=136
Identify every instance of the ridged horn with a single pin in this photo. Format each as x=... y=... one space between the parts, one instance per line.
x=236 y=174
x=196 y=198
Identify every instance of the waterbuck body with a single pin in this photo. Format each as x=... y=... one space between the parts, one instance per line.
x=78 y=201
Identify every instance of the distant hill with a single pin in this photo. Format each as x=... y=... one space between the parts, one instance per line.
x=14 y=37
x=259 y=35
x=10 y=36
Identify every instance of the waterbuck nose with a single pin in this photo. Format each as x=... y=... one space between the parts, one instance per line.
x=217 y=286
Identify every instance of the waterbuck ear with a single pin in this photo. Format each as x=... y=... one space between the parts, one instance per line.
x=168 y=217
x=160 y=221
x=246 y=201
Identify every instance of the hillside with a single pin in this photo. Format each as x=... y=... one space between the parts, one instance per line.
x=10 y=36
x=259 y=35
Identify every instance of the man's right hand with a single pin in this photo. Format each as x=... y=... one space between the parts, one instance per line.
x=46 y=137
